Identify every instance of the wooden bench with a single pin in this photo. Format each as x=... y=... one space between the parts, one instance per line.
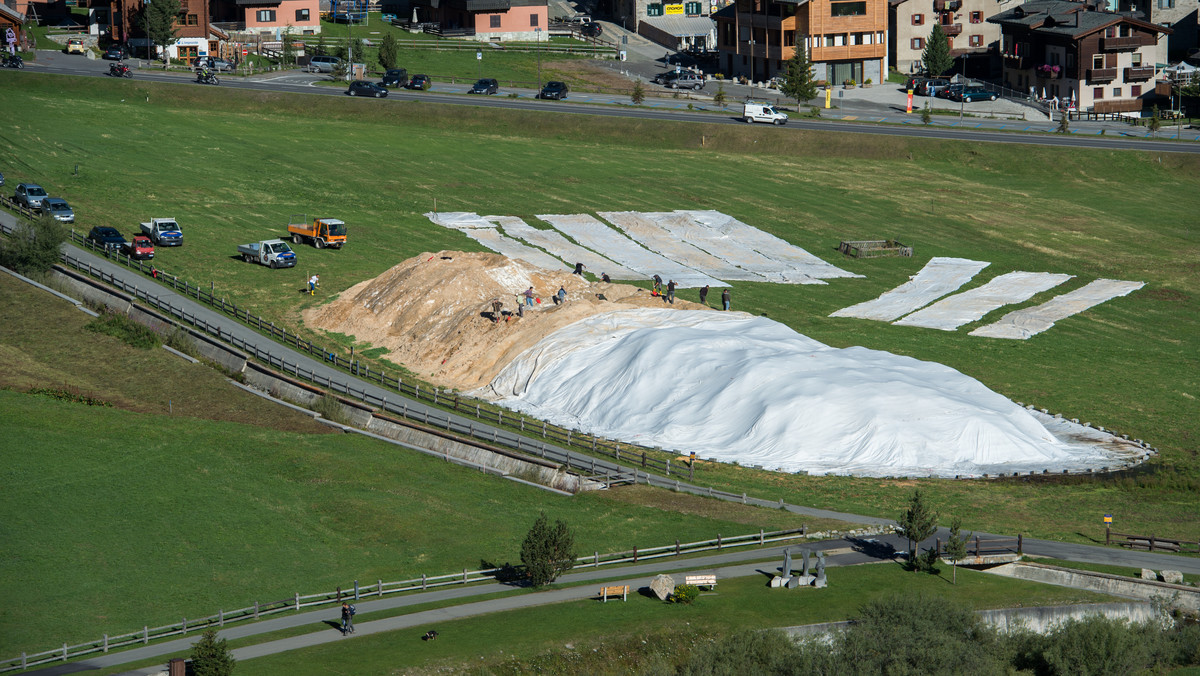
x=619 y=590
x=709 y=581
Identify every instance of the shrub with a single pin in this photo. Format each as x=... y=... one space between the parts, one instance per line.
x=122 y=327
x=685 y=594
x=639 y=93
x=33 y=246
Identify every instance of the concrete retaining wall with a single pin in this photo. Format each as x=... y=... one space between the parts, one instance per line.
x=1175 y=595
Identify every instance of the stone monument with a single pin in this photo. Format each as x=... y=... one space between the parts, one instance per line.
x=663 y=586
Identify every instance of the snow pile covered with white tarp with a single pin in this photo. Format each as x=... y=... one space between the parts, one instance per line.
x=735 y=387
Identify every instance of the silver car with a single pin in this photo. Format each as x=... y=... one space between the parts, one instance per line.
x=29 y=195
x=58 y=209
x=323 y=64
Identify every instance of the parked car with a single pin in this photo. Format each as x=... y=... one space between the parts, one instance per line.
x=116 y=53
x=914 y=82
x=664 y=78
x=931 y=87
x=323 y=64
x=1 y=178
x=970 y=94
x=107 y=238
x=591 y=30
x=554 y=90
x=686 y=80
x=140 y=247
x=212 y=62
x=486 y=85
x=421 y=82
x=29 y=195
x=75 y=46
x=950 y=91
x=58 y=209
x=396 y=77
x=364 y=88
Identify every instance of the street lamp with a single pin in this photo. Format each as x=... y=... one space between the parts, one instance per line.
x=751 y=62
x=538 y=32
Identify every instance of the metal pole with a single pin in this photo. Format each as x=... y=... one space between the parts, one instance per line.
x=538 y=32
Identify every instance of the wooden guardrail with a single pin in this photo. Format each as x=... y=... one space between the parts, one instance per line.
x=1151 y=543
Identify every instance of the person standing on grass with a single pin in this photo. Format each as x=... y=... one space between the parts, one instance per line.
x=313 y=283
x=704 y=295
x=671 y=292
x=725 y=298
x=347 y=619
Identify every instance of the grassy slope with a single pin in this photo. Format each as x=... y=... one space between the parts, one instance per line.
x=117 y=518
x=1129 y=364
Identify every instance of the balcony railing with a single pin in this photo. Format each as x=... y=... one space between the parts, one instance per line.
x=1136 y=73
x=947 y=5
x=1101 y=74
x=952 y=29
x=1121 y=44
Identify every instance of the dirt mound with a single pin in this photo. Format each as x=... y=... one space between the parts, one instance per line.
x=433 y=312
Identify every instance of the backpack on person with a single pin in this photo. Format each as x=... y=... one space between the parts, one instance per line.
x=353 y=610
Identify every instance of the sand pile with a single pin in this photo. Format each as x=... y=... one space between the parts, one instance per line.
x=429 y=312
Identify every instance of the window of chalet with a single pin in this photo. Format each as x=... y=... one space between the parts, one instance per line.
x=1135 y=90
x=976 y=40
x=1166 y=4
x=1098 y=93
x=1110 y=32
x=1135 y=59
x=1116 y=92
x=918 y=43
x=494 y=20
x=1098 y=61
x=848 y=8
x=789 y=39
x=976 y=17
x=302 y=15
x=265 y=16
x=918 y=20
x=193 y=20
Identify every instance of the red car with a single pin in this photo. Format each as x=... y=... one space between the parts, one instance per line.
x=141 y=247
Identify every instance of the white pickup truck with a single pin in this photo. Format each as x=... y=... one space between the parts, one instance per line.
x=163 y=232
x=273 y=253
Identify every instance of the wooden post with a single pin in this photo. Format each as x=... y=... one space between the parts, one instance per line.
x=145 y=635
x=643 y=458
x=256 y=610
x=976 y=545
x=937 y=543
x=105 y=643
x=380 y=584
x=220 y=618
x=635 y=553
x=676 y=546
x=184 y=628
x=718 y=540
x=423 y=582
x=356 y=590
x=1108 y=535
x=1151 y=543
x=464 y=575
x=1020 y=544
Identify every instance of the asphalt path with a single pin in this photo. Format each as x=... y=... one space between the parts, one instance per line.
x=618 y=106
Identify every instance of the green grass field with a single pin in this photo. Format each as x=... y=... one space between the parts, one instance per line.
x=231 y=166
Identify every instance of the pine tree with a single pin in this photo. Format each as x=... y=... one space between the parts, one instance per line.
x=1064 y=125
x=720 y=98
x=388 y=52
x=926 y=114
x=547 y=552
x=798 y=80
x=1154 y=124
x=289 y=46
x=211 y=656
x=639 y=93
x=937 y=57
x=956 y=547
x=917 y=523
x=158 y=19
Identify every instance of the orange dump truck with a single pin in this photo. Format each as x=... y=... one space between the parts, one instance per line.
x=321 y=232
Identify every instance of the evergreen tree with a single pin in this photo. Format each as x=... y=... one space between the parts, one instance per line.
x=389 y=52
x=926 y=114
x=211 y=656
x=720 y=98
x=321 y=49
x=798 y=80
x=956 y=547
x=289 y=46
x=158 y=19
x=917 y=523
x=1154 y=124
x=937 y=57
x=547 y=552
x=639 y=93
x=1064 y=125
x=33 y=246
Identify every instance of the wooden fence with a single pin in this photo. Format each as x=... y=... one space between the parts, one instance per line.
x=980 y=547
x=550 y=434
x=357 y=592
x=1151 y=543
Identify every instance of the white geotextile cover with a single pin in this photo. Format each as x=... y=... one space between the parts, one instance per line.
x=483 y=231
x=1022 y=324
x=739 y=388
x=792 y=259
x=647 y=230
x=559 y=246
x=973 y=304
x=597 y=236
x=939 y=277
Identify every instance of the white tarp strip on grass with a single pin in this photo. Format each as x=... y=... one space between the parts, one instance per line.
x=483 y=231
x=793 y=260
x=599 y=237
x=973 y=304
x=747 y=389
x=1030 y=321
x=939 y=277
x=560 y=246
x=648 y=230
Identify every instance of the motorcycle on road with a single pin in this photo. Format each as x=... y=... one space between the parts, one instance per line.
x=12 y=61
x=207 y=77
x=119 y=69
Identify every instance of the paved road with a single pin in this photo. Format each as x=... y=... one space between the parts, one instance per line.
x=861 y=117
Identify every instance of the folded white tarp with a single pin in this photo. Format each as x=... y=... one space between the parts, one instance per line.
x=559 y=246
x=939 y=277
x=739 y=388
x=1030 y=321
x=792 y=261
x=649 y=230
x=973 y=304
x=599 y=237
x=483 y=231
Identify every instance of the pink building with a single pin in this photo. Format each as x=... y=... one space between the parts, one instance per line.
x=268 y=16
x=488 y=20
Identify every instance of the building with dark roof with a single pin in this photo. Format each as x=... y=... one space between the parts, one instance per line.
x=1105 y=62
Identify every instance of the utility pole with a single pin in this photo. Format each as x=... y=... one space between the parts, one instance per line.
x=538 y=32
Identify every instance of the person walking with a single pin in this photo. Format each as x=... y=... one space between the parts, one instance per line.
x=313 y=283
x=725 y=298
x=604 y=277
x=657 y=285
x=671 y=292
x=529 y=297
x=347 y=619
x=579 y=268
x=704 y=295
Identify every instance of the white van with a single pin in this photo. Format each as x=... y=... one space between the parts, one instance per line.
x=763 y=112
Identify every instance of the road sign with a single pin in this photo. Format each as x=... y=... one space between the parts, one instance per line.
x=245 y=52
x=1108 y=518
x=10 y=36
x=479 y=56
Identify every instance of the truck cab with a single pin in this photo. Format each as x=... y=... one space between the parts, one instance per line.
x=321 y=232
x=273 y=253
x=163 y=232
